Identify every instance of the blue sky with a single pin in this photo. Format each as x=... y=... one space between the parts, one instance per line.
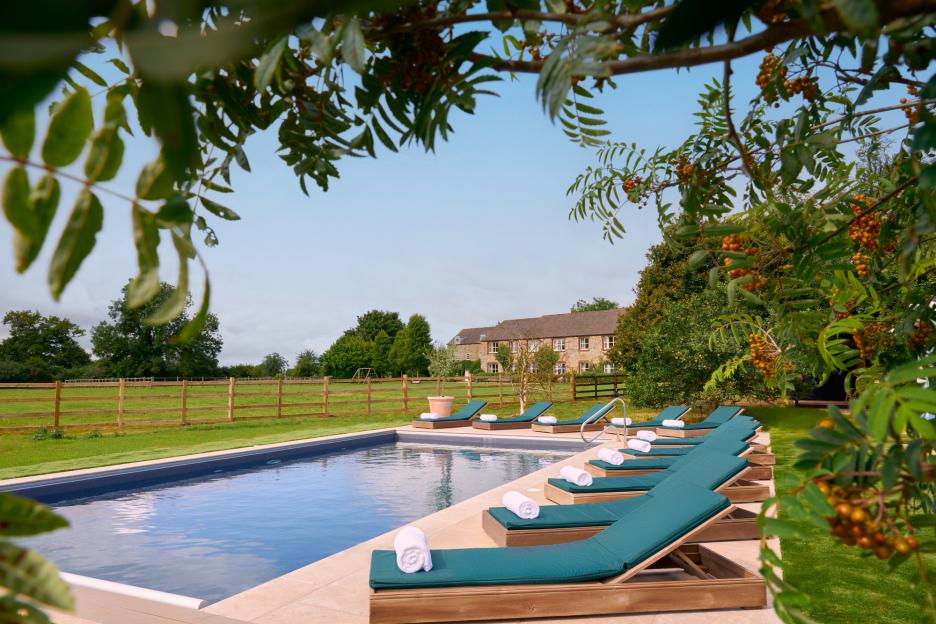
x=469 y=235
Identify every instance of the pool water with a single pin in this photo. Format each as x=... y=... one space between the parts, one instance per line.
x=216 y=535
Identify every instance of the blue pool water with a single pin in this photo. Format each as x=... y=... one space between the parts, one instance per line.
x=217 y=535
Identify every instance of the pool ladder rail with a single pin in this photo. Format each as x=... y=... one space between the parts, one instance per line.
x=601 y=414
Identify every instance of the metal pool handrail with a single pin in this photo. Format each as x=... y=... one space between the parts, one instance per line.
x=600 y=414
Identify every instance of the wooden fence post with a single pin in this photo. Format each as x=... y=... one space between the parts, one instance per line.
x=121 y=389
x=572 y=385
x=279 y=398
x=596 y=385
x=405 y=395
x=230 y=411
x=468 y=379
x=184 y=399
x=57 y=405
x=325 y=395
x=368 y=397
x=500 y=390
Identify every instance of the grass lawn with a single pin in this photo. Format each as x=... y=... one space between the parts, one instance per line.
x=22 y=454
x=846 y=587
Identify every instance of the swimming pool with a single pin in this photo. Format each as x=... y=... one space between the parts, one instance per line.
x=214 y=535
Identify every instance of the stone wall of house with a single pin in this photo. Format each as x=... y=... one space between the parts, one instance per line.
x=572 y=355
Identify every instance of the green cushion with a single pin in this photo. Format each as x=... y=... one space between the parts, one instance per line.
x=719 y=416
x=532 y=413
x=635 y=464
x=470 y=409
x=591 y=411
x=635 y=483
x=672 y=412
x=658 y=452
x=705 y=468
x=559 y=516
x=661 y=441
x=641 y=532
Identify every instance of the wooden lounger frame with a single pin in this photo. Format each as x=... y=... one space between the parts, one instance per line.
x=442 y=424
x=739 y=525
x=557 y=428
x=692 y=577
x=757 y=472
x=495 y=425
x=738 y=489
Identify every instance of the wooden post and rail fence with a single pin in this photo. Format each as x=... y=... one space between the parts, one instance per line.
x=125 y=403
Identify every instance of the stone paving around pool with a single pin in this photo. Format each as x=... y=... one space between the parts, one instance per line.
x=335 y=590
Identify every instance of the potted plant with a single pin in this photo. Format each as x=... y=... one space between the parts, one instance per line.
x=442 y=364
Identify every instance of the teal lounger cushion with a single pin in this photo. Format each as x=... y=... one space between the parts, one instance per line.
x=635 y=464
x=634 y=483
x=646 y=530
x=671 y=412
x=719 y=416
x=470 y=409
x=532 y=413
x=560 y=516
x=591 y=411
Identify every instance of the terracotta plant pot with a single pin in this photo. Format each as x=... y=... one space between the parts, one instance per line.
x=441 y=405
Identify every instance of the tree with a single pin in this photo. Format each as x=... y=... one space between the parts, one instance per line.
x=596 y=304
x=504 y=357
x=442 y=362
x=410 y=351
x=308 y=364
x=383 y=343
x=49 y=340
x=346 y=356
x=373 y=322
x=273 y=365
x=131 y=345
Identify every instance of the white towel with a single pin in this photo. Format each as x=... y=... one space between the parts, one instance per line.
x=678 y=424
x=523 y=506
x=646 y=434
x=548 y=420
x=621 y=422
x=412 y=550
x=612 y=456
x=576 y=476
x=641 y=446
x=488 y=417
x=428 y=416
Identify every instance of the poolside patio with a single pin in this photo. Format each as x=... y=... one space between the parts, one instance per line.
x=335 y=589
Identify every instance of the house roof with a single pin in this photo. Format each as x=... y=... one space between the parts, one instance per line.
x=471 y=335
x=600 y=323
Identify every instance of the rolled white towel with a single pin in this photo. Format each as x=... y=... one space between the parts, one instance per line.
x=610 y=455
x=548 y=420
x=576 y=476
x=621 y=422
x=488 y=417
x=412 y=550
x=674 y=423
x=646 y=434
x=523 y=506
x=428 y=416
x=641 y=446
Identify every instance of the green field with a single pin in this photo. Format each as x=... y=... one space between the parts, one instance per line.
x=846 y=586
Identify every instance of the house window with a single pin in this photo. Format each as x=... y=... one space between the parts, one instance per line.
x=493 y=367
x=559 y=368
x=533 y=345
x=609 y=367
x=467 y=356
x=583 y=344
x=514 y=346
x=492 y=348
x=583 y=367
x=609 y=342
x=558 y=344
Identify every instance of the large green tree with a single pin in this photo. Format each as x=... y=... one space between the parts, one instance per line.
x=308 y=364
x=129 y=345
x=50 y=340
x=346 y=356
x=596 y=304
x=373 y=322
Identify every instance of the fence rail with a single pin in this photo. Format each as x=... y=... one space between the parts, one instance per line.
x=125 y=403
x=596 y=386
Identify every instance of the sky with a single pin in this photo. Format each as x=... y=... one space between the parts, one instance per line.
x=472 y=234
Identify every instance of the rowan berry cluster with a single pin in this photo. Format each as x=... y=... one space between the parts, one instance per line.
x=855 y=524
x=631 y=183
x=683 y=169
x=732 y=242
x=862 y=264
x=871 y=339
x=757 y=283
x=805 y=85
x=921 y=335
x=763 y=355
x=912 y=114
x=769 y=64
x=865 y=229
x=417 y=60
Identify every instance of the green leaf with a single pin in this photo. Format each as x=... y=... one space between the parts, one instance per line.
x=105 y=155
x=175 y=211
x=16 y=203
x=780 y=528
x=266 y=66
x=697 y=259
x=861 y=16
x=89 y=73
x=145 y=285
x=825 y=139
x=193 y=327
x=352 y=45
x=69 y=128
x=925 y=137
x=173 y=118
x=29 y=574
x=218 y=210
x=76 y=242
x=19 y=132
x=155 y=181
x=691 y=19
x=175 y=304
x=21 y=516
x=43 y=202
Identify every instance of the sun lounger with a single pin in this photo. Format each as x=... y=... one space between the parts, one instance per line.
x=522 y=421
x=460 y=418
x=594 y=576
x=704 y=464
x=566 y=426
x=719 y=416
x=671 y=412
